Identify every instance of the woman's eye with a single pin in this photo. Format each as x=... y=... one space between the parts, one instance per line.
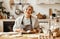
x=29 y=9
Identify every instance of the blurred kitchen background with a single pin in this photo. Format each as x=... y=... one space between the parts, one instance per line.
x=46 y=11
x=44 y=7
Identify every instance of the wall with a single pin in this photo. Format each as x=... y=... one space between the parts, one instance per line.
x=43 y=9
x=0 y=0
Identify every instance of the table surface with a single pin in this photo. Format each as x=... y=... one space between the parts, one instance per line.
x=25 y=36
x=18 y=36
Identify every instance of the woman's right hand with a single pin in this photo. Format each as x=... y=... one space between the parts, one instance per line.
x=17 y=30
x=20 y=30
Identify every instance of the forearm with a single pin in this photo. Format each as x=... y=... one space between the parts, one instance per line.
x=19 y=30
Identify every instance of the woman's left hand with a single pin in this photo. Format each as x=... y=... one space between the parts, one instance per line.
x=34 y=31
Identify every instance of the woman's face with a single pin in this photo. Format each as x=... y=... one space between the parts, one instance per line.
x=29 y=10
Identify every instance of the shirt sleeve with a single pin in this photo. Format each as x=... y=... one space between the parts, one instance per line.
x=36 y=24
x=16 y=25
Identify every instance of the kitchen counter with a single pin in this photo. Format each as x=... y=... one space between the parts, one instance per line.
x=10 y=20
x=24 y=36
x=7 y=19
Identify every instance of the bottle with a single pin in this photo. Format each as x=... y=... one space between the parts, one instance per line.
x=50 y=13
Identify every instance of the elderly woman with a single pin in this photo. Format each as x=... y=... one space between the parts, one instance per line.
x=26 y=22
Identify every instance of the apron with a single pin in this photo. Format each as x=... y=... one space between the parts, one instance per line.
x=27 y=27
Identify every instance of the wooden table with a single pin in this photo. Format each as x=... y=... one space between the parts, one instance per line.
x=18 y=37
x=26 y=36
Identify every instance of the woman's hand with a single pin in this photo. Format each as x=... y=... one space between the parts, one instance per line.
x=20 y=30
x=34 y=31
x=17 y=30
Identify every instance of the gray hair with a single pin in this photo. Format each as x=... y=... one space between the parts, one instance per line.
x=26 y=6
